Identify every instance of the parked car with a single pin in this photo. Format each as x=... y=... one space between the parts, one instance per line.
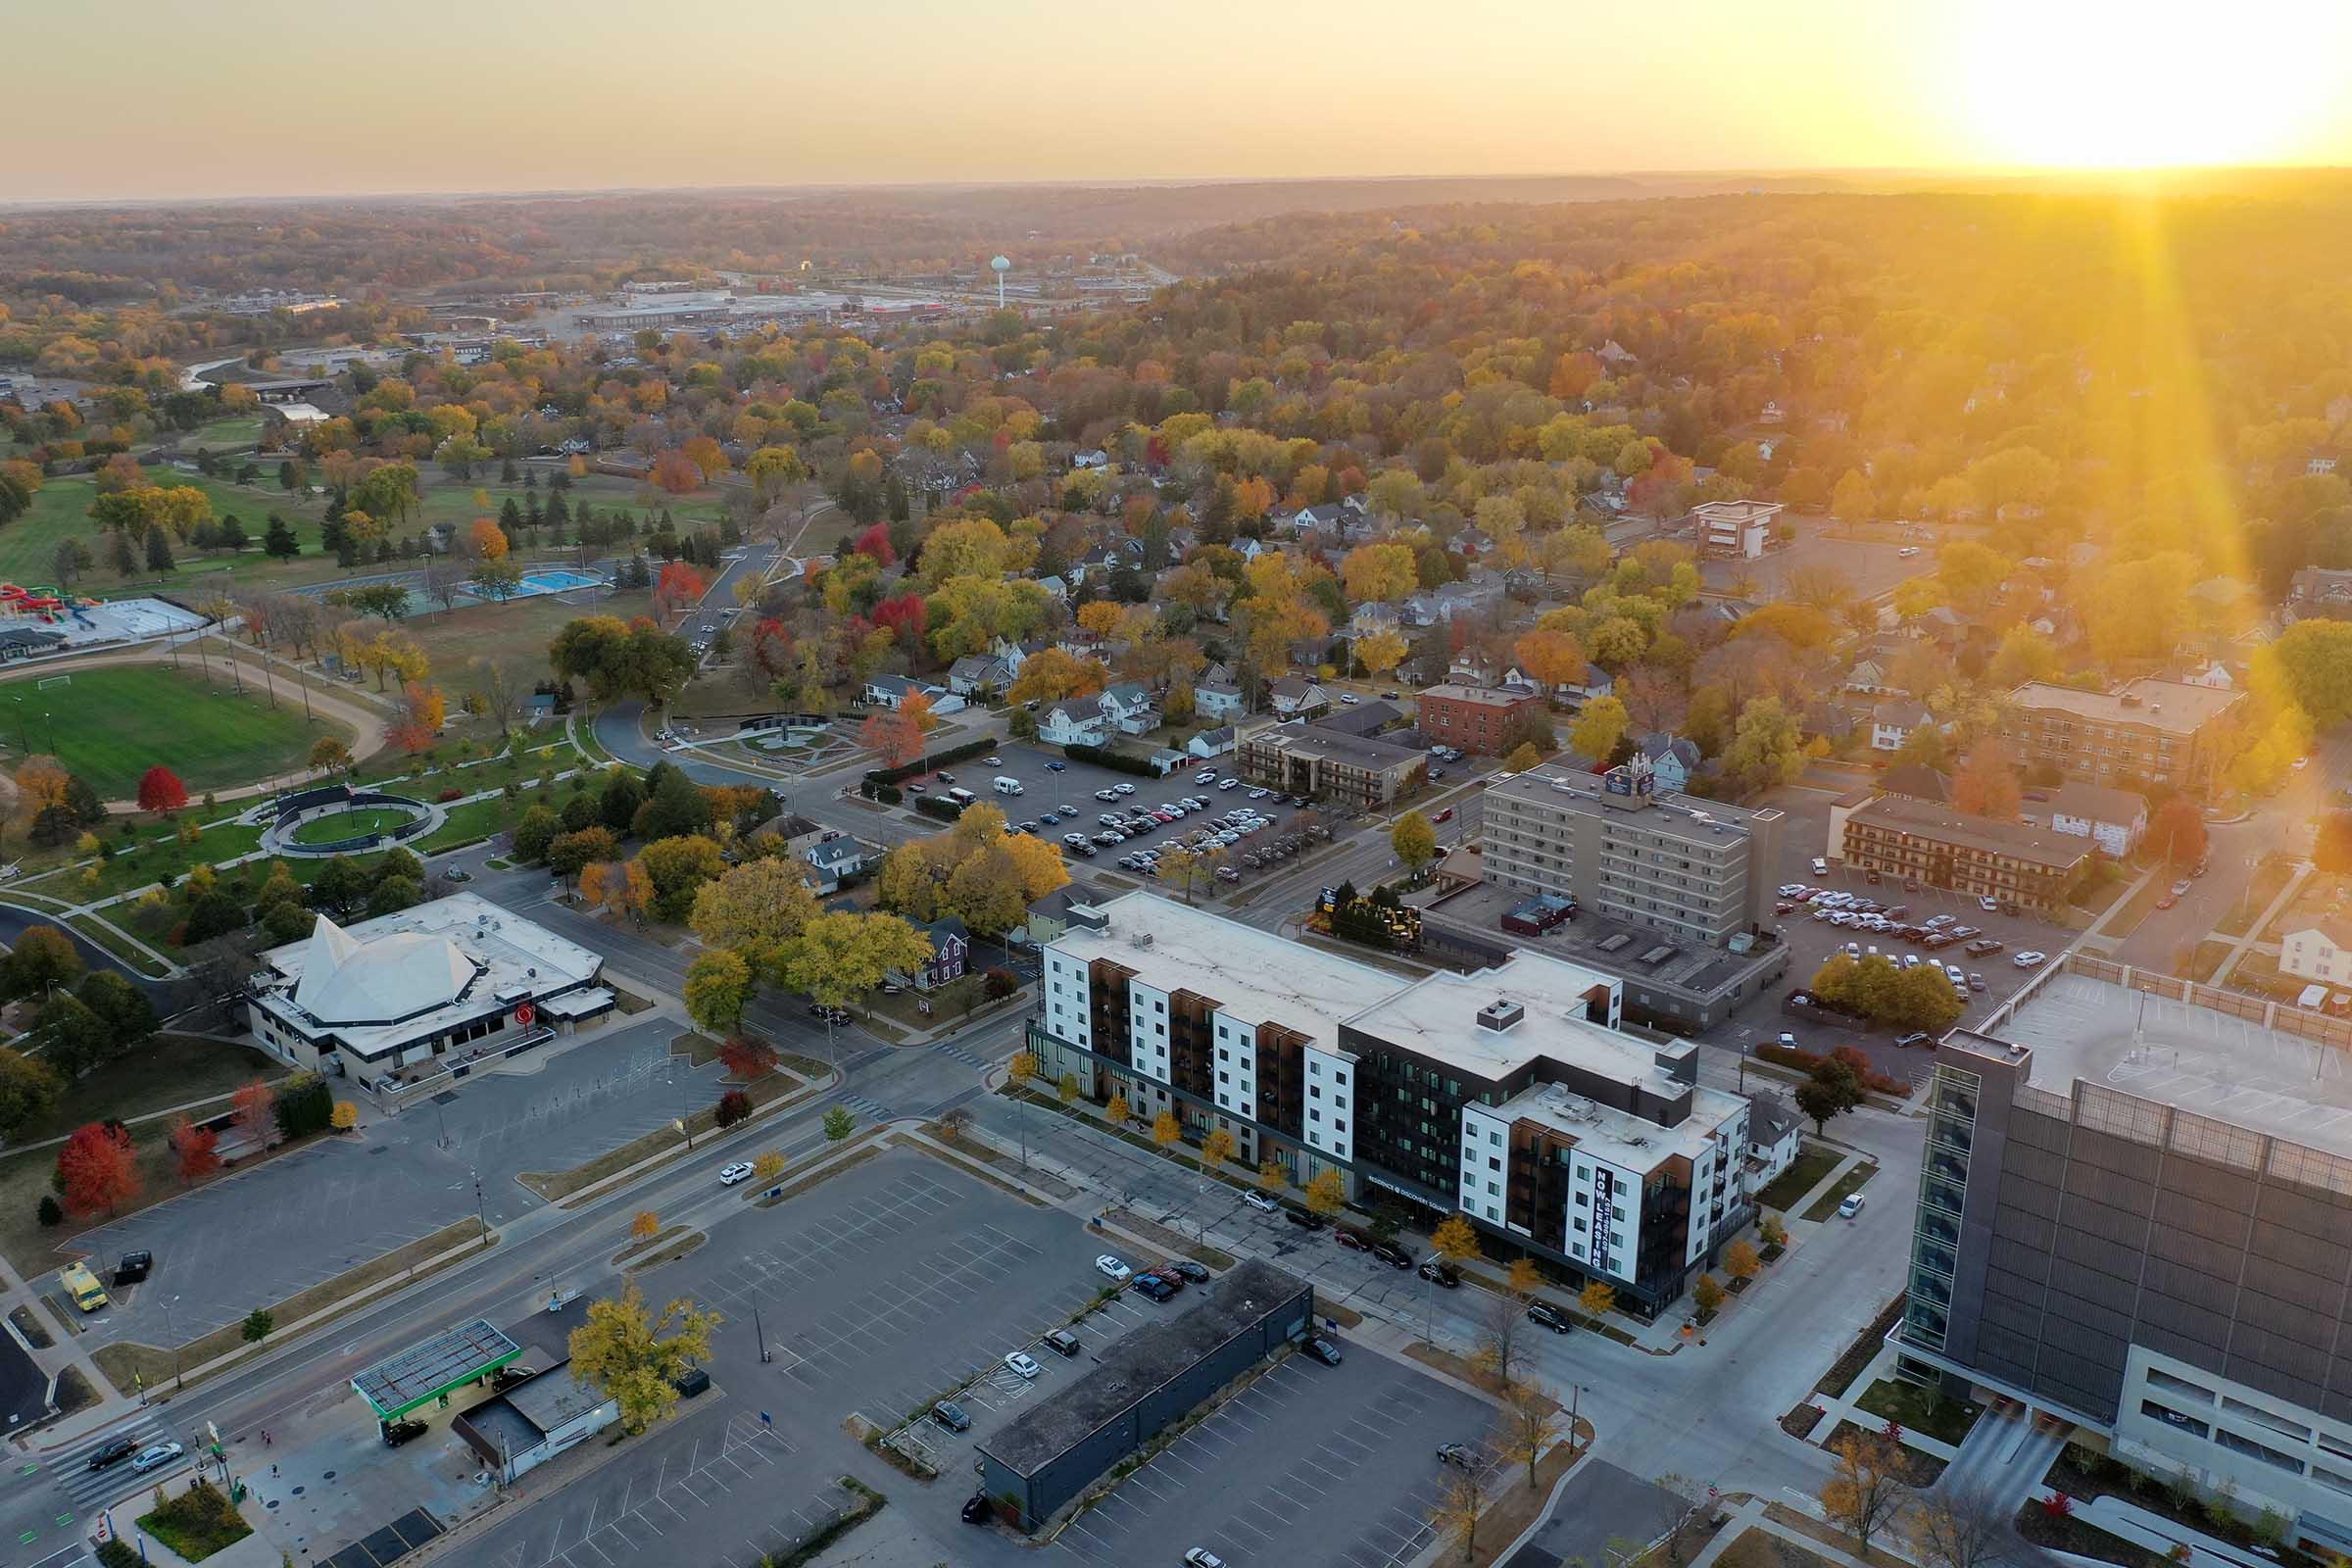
x=2029 y=958
x=1111 y=1268
x=977 y=1509
x=1976 y=982
x=1851 y=1207
x=133 y=1267
x=1023 y=1364
x=1202 y=1557
x=740 y=1171
x=1457 y=1453
x=1821 y=867
x=1391 y=1253
x=1153 y=1287
x=1914 y=1038
x=1302 y=1219
x=1544 y=1315
x=1323 y=1350
x=1185 y=1268
x=1062 y=1342
x=396 y=1433
x=1261 y=1201
x=1438 y=1273
x=948 y=1413
x=1057 y=768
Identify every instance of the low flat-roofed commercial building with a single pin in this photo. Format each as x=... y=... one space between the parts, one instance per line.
x=1140 y=1385
x=1320 y=1062
x=2032 y=867
x=2147 y=1231
x=533 y=1421
x=1700 y=869
x=408 y=994
x=2166 y=732
x=1353 y=770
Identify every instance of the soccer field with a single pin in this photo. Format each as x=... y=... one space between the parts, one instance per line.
x=113 y=723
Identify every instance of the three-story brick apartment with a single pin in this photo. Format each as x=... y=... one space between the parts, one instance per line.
x=1510 y=1096
x=2168 y=732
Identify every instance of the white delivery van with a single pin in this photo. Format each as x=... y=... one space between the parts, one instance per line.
x=1007 y=786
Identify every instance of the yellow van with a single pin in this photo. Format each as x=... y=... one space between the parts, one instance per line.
x=82 y=1284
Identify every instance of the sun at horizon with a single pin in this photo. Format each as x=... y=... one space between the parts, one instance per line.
x=2066 y=84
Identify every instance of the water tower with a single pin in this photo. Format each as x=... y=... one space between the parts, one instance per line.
x=1000 y=266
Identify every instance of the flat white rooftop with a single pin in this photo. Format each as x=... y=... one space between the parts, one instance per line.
x=1254 y=975
x=1619 y=1137
x=1439 y=1017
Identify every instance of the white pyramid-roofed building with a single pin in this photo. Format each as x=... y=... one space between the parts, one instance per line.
x=409 y=994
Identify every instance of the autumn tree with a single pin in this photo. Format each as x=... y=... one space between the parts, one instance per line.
x=1865 y=1489
x=2177 y=832
x=718 y=987
x=840 y=957
x=1739 y=1259
x=755 y=909
x=1455 y=1515
x=1532 y=1421
x=193 y=1149
x=1272 y=1174
x=679 y=587
x=635 y=1357
x=30 y=1090
x=1380 y=652
x=1599 y=728
x=894 y=738
x=1326 y=1193
x=1216 y=1149
x=161 y=791
x=98 y=1169
x=645 y=1225
x=1964 y=1528
x=255 y=1113
x=1553 y=659
x=1378 y=574
x=1987 y=784
x=488 y=540
x=1455 y=1240
x=1414 y=839
x=1707 y=1294
x=1598 y=1298
x=1499 y=1347
x=747 y=1058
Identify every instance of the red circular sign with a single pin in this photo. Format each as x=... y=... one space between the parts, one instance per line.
x=524 y=1014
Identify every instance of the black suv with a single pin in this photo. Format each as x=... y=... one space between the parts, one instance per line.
x=1187 y=1269
x=1323 y=1350
x=1152 y=1286
x=1440 y=1274
x=1302 y=1219
x=977 y=1509
x=1391 y=1253
x=396 y=1432
x=133 y=1267
x=1545 y=1315
x=114 y=1451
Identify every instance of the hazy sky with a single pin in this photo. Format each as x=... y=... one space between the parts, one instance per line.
x=276 y=97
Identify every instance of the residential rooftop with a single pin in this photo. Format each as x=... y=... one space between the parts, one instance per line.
x=1438 y=1016
x=1253 y=976
x=1619 y=1137
x=1483 y=696
x=1360 y=751
x=2173 y=706
x=1931 y=819
x=1680 y=815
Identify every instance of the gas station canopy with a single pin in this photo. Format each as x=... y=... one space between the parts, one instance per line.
x=430 y=1368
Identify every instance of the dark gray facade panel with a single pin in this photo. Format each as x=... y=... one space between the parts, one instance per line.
x=2035 y=1233
x=2043 y=1167
x=2028 y=1265
x=2065 y=1382
x=2032 y=1194
x=2030 y=1129
x=2082 y=1212
x=2117 y=1156
x=2271 y=1380
x=2195 y=1351
x=2190 y=1250
x=2020 y=1314
x=2085 y=1328
x=2250 y=1346
x=2289 y=1319
x=2200 y=1215
x=2210 y=1330
x=2336 y=1404
x=2322 y=1221
x=2113 y=1259
x=2209 y=1291
x=2283 y=1275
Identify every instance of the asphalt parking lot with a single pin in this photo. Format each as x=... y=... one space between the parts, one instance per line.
x=1314 y=1466
x=1076 y=785
x=311 y=1214
x=875 y=1292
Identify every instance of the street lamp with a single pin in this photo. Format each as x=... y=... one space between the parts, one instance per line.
x=173 y=1333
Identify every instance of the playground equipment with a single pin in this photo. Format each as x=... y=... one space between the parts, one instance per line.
x=43 y=604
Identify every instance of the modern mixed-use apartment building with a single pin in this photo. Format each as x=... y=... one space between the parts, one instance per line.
x=1510 y=1096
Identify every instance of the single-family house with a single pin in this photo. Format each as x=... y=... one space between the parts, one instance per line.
x=1371 y=616
x=1891 y=724
x=1672 y=760
x=2318 y=591
x=1293 y=697
x=892 y=692
x=1575 y=694
x=1774 y=1132
x=1868 y=677
x=1075 y=721
x=978 y=676
x=1221 y=702
x=1918 y=781
x=798 y=835
x=2318 y=949
x=1056 y=585
x=2114 y=819
x=837 y=862
x=1212 y=743
x=1128 y=707
x=1095 y=458
x=950 y=956
x=2213 y=673
x=1315 y=519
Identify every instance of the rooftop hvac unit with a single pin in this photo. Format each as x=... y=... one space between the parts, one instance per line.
x=1144 y=940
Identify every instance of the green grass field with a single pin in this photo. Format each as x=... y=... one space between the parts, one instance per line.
x=222 y=434
x=62 y=510
x=513 y=635
x=356 y=823
x=113 y=723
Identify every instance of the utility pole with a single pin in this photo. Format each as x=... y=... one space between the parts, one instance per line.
x=168 y=1328
x=478 y=1218
x=759 y=1331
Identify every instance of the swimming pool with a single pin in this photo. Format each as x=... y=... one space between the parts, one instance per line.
x=554 y=581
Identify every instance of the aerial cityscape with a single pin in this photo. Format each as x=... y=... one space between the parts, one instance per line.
x=1566 y=791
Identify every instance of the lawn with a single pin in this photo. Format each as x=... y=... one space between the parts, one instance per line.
x=61 y=509
x=513 y=635
x=447 y=500
x=1921 y=1410
x=232 y=430
x=1813 y=1162
x=360 y=822
x=119 y=721
x=1826 y=1206
x=146 y=858
x=172 y=1070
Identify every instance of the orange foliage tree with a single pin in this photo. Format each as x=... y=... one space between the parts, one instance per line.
x=676 y=472
x=98 y=1169
x=489 y=540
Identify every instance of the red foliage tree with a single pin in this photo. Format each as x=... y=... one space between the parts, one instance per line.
x=2176 y=833
x=161 y=791
x=907 y=618
x=256 y=1111
x=412 y=738
x=196 y=1148
x=746 y=1058
x=874 y=544
x=896 y=738
x=678 y=586
x=676 y=472
x=733 y=1106
x=98 y=1169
